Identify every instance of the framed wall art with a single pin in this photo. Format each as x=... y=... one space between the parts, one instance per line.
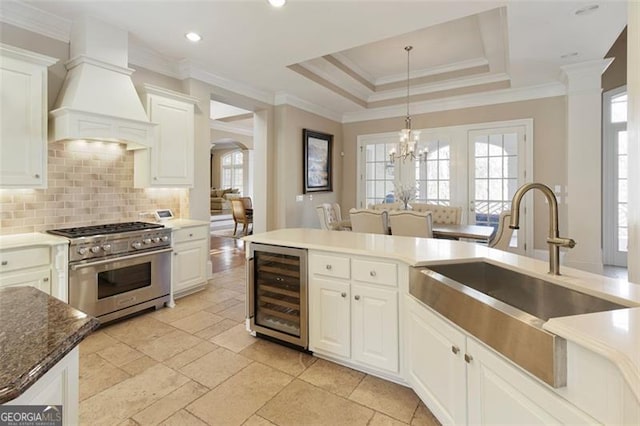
x=317 y=161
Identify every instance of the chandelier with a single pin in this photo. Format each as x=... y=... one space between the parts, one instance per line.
x=408 y=138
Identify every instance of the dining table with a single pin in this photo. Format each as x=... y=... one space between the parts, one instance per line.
x=481 y=233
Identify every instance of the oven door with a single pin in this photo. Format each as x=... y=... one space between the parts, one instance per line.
x=106 y=286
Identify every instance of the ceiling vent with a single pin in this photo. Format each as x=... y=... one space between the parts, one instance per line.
x=98 y=100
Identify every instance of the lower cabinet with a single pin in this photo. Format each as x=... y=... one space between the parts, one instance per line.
x=353 y=320
x=190 y=260
x=38 y=278
x=58 y=386
x=464 y=382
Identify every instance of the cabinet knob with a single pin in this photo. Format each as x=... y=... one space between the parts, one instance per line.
x=37 y=176
x=328 y=267
x=175 y=254
x=356 y=297
x=343 y=294
x=455 y=349
x=468 y=358
x=5 y=262
x=190 y=235
x=372 y=273
x=155 y=178
x=45 y=279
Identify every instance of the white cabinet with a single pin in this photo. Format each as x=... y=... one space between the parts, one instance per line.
x=464 y=382
x=170 y=161
x=58 y=386
x=190 y=259
x=41 y=266
x=23 y=118
x=39 y=278
x=353 y=310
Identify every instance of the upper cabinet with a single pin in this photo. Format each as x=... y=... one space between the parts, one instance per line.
x=170 y=161
x=23 y=118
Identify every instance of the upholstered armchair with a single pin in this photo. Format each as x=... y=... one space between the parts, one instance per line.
x=441 y=214
x=386 y=206
x=411 y=224
x=369 y=221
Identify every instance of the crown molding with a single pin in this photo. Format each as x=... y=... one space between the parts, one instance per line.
x=287 y=99
x=426 y=72
x=354 y=67
x=231 y=128
x=459 y=102
x=36 y=20
x=190 y=70
x=147 y=58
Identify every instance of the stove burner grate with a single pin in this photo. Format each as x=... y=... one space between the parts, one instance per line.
x=110 y=228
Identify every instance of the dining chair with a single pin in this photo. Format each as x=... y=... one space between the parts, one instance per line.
x=370 y=221
x=240 y=216
x=411 y=224
x=247 y=203
x=331 y=218
x=386 y=206
x=502 y=237
x=440 y=214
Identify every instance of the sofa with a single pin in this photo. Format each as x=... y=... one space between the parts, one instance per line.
x=220 y=198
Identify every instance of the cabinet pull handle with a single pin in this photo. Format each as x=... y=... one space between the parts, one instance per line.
x=45 y=279
x=372 y=273
x=328 y=267
x=356 y=297
x=468 y=358
x=343 y=294
x=5 y=262
x=455 y=349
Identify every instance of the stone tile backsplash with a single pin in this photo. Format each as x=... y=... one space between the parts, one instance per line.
x=89 y=183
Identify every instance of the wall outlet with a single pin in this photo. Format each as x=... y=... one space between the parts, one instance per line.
x=299 y=198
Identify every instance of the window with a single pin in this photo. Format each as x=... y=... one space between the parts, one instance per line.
x=232 y=170
x=433 y=173
x=380 y=173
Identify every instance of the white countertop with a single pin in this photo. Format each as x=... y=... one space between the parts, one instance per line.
x=614 y=334
x=31 y=239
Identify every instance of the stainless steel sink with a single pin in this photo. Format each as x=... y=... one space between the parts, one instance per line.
x=506 y=310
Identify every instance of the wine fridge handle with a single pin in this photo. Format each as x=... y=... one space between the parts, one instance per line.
x=250 y=288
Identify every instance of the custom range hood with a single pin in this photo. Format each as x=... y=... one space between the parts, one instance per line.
x=98 y=100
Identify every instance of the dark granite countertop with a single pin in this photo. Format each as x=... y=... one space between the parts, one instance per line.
x=36 y=331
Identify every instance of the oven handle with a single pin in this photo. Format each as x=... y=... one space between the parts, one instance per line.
x=117 y=259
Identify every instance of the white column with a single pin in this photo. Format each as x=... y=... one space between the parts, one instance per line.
x=633 y=131
x=261 y=190
x=584 y=163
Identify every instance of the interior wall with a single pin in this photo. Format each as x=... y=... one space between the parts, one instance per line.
x=289 y=123
x=616 y=74
x=245 y=140
x=549 y=149
x=216 y=165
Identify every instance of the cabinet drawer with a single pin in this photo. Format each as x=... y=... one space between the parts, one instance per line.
x=190 y=234
x=375 y=272
x=11 y=260
x=330 y=266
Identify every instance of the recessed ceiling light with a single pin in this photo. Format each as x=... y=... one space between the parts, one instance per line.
x=277 y=3
x=194 y=37
x=569 y=55
x=586 y=10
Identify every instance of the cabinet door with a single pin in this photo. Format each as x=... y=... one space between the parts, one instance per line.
x=172 y=156
x=189 y=265
x=501 y=394
x=435 y=363
x=40 y=279
x=23 y=129
x=329 y=317
x=375 y=326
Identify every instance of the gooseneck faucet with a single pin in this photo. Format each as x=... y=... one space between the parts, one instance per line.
x=554 y=240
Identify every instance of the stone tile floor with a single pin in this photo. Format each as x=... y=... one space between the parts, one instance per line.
x=195 y=364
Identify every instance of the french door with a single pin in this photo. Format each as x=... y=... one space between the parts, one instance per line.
x=615 y=190
x=496 y=171
x=478 y=167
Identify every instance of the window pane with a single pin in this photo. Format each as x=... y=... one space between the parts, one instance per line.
x=482 y=189
x=495 y=167
x=622 y=143
x=370 y=151
x=511 y=143
x=495 y=145
x=381 y=154
x=432 y=169
x=510 y=167
x=482 y=167
x=371 y=186
x=622 y=215
x=622 y=166
x=622 y=191
x=495 y=189
x=619 y=109
x=482 y=150
x=443 y=169
x=623 y=239
x=443 y=190
x=444 y=152
x=432 y=190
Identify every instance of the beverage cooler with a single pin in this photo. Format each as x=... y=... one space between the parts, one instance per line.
x=277 y=293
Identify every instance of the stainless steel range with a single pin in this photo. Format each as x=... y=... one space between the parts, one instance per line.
x=118 y=269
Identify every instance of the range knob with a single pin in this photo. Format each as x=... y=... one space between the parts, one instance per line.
x=165 y=238
x=147 y=241
x=136 y=245
x=106 y=247
x=82 y=251
x=95 y=249
x=156 y=240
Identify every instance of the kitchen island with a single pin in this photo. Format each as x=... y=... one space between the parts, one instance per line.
x=39 y=335
x=367 y=319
